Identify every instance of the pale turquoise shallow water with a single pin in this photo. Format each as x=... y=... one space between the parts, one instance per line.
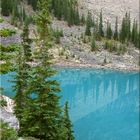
x=104 y=104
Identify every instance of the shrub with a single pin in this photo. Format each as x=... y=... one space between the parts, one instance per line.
x=7 y=133
x=57 y=34
x=109 y=46
x=7 y=32
x=1 y=20
x=9 y=48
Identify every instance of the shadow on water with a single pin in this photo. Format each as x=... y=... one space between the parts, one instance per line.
x=104 y=105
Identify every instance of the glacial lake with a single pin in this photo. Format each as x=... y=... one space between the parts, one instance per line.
x=104 y=104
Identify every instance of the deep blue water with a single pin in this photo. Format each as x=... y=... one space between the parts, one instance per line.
x=104 y=104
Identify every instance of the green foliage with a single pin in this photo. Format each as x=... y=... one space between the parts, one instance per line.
x=135 y=35
x=5 y=67
x=125 y=32
x=113 y=46
x=83 y=21
x=109 y=31
x=36 y=93
x=57 y=35
x=7 y=133
x=116 y=30
x=7 y=32
x=67 y=130
x=1 y=19
x=88 y=24
x=66 y=10
x=109 y=46
x=101 y=32
x=6 y=7
x=93 y=44
x=9 y=48
x=33 y=3
x=26 y=41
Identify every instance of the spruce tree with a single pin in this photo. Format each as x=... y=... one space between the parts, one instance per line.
x=88 y=24
x=67 y=124
x=109 y=31
x=101 y=32
x=26 y=41
x=6 y=7
x=116 y=30
x=123 y=31
x=20 y=88
x=42 y=117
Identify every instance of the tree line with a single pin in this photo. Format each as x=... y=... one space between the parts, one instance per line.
x=128 y=32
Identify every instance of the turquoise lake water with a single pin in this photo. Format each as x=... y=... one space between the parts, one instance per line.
x=104 y=104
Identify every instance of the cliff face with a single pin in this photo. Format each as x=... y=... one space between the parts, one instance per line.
x=111 y=8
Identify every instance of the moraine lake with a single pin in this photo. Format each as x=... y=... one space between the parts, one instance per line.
x=104 y=104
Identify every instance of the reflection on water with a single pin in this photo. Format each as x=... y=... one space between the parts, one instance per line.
x=104 y=105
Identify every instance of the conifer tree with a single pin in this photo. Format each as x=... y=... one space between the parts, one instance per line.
x=88 y=24
x=6 y=7
x=42 y=117
x=26 y=41
x=109 y=31
x=20 y=86
x=116 y=30
x=101 y=32
x=123 y=31
x=67 y=124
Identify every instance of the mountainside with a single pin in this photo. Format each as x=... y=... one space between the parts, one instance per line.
x=111 y=8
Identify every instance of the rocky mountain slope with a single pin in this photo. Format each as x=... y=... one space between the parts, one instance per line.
x=111 y=8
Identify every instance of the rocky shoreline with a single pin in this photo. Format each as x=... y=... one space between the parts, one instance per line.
x=66 y=64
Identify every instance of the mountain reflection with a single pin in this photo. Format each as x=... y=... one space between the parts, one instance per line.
x=103 y=104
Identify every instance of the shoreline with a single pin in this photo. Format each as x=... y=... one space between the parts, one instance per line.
x=66 y=64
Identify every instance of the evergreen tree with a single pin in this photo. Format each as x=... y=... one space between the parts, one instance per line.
x=67 y=123
x=109 y=31
x=67 y=10
x=125 y=32
x=26 y=41
x=21 y=85
x=116 y=30
x=42 y=117
x=101 y=32
x=88 y=24
x=6 y=7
